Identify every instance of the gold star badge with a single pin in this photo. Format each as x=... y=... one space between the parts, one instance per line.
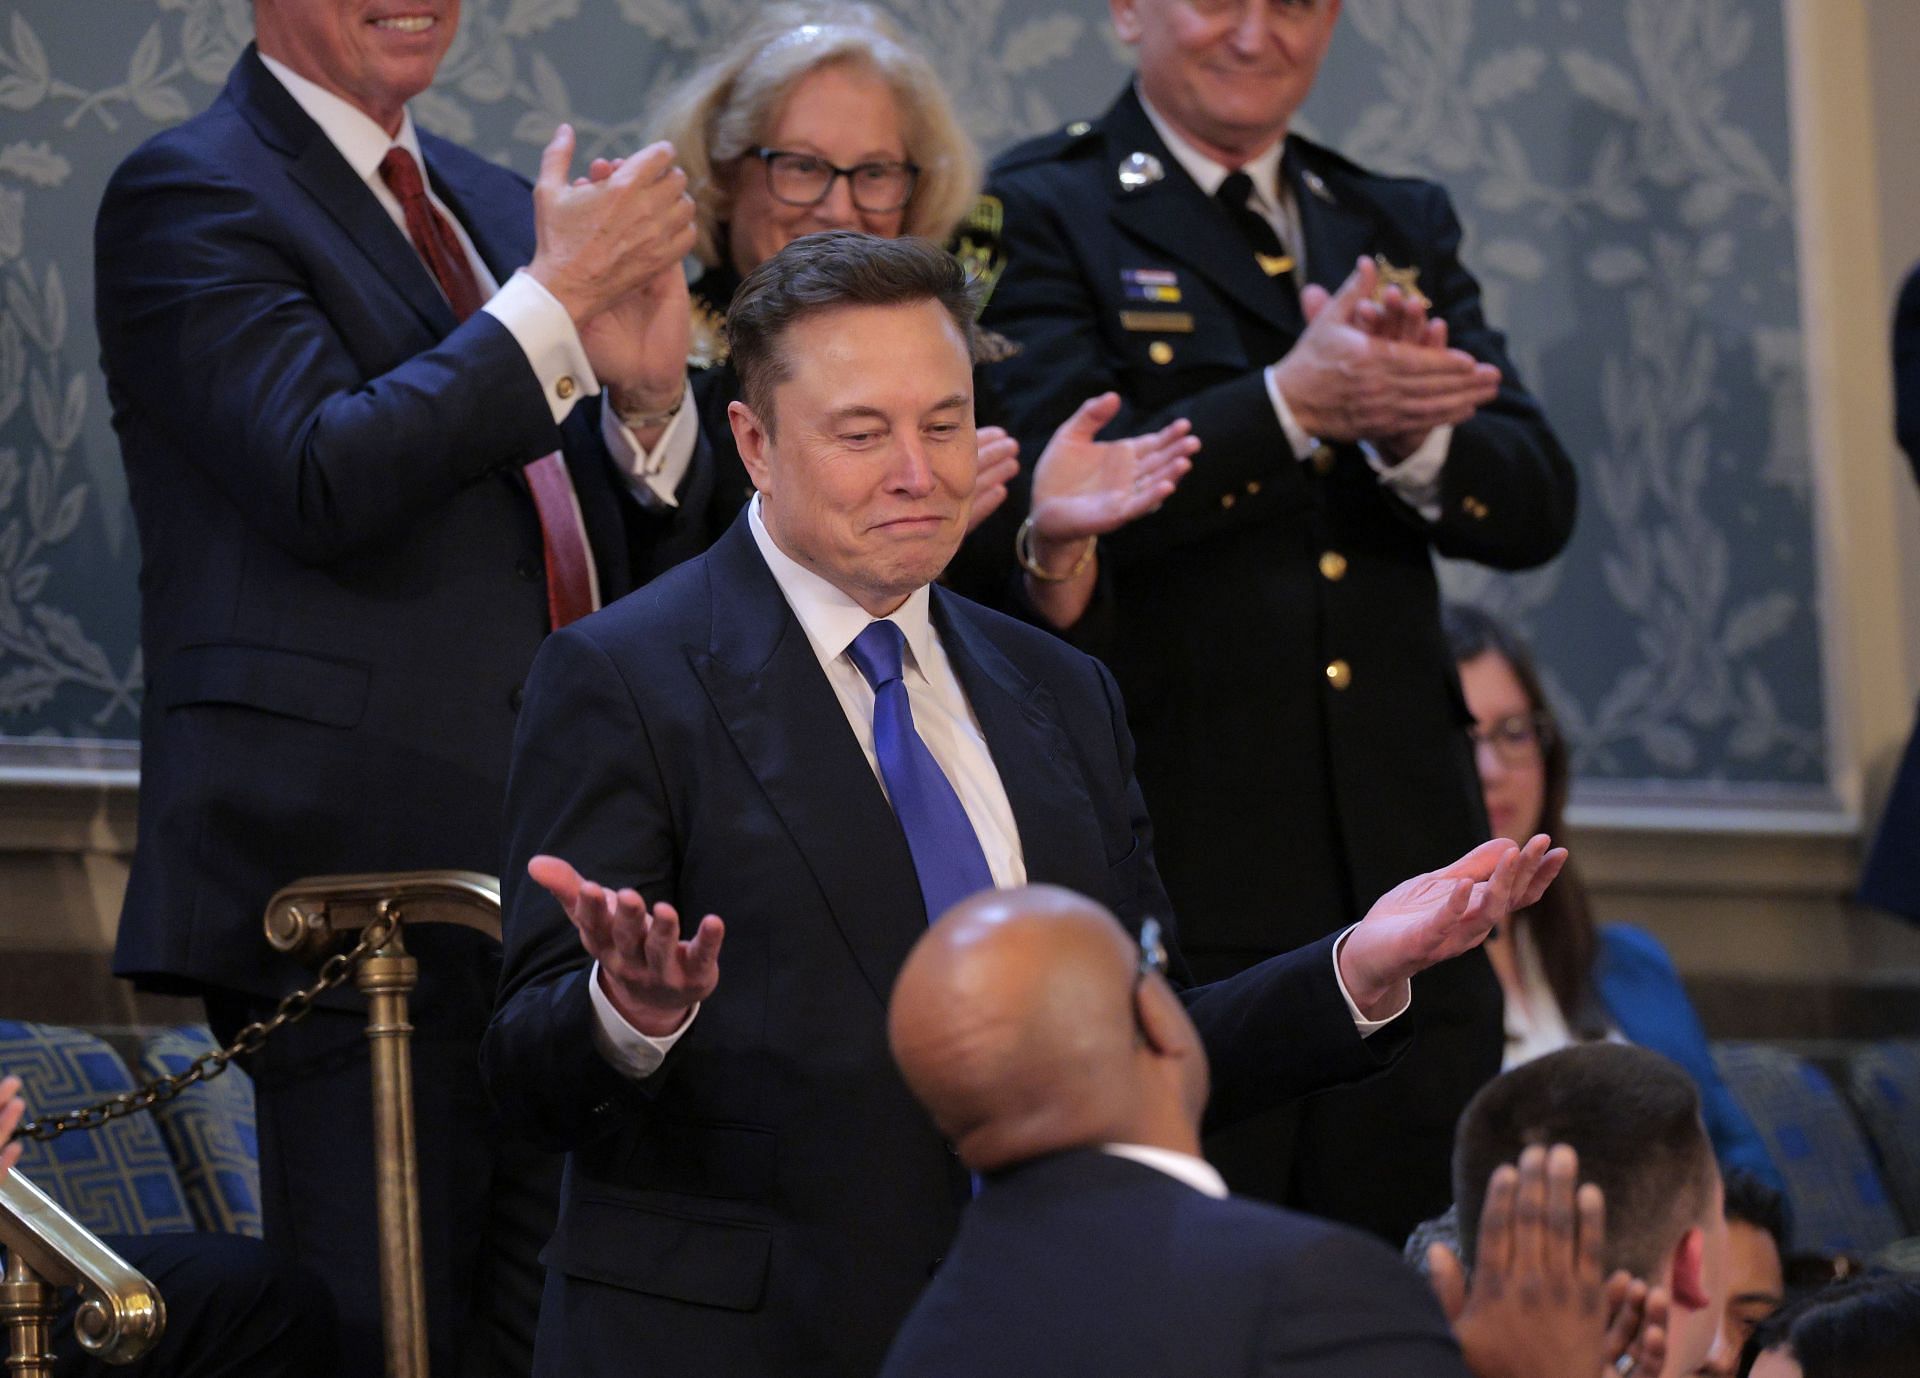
x=1406 y=279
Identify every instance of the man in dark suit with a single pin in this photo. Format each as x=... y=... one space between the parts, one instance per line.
x=794 y=731
x=1891 y=877
x=366 y=483
x=1048 y=1048
x=1276 y=624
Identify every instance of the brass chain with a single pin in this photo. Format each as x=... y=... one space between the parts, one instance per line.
x=209 y=1065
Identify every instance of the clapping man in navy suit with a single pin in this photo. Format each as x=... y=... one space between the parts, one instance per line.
x=799 y=732
x=387 y=414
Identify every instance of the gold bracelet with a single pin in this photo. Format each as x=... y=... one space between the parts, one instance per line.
x=1023 y=552
x=645 y=420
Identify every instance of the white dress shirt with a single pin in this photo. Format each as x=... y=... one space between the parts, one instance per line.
x=537 y=322
x=1415 y=479
x=1197 y=1173
x=945 y=722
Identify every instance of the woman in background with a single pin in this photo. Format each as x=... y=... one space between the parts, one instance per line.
x=1565 y=979
x=821 y=116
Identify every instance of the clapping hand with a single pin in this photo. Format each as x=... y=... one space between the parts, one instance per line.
x=1378 y=371
x=12 y=1109
x=996 y=461
x=652 y=977
x=1084 y=486
x=1441 y=914
x=1539 y=1303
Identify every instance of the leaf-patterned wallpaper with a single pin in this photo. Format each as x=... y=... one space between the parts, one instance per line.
x=1621 y=167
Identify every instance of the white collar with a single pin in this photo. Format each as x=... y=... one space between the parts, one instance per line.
x=830 y=617
x=1263 y=167
x=356 y=134
x=1197 y=1173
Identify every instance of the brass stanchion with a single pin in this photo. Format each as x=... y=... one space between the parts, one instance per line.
x=119 y=1317
x=304 y=918
x=27 y=1309
x=386 y=979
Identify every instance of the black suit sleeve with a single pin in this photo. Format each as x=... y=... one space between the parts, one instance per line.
x=1275 y=1032
x=1346 y=1304
x=213 y=331
x=582 y=787
x=1906 y=370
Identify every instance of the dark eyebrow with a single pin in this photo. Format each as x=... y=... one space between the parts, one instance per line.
x=959 y=399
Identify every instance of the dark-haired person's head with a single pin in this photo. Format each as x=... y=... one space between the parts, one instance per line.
x=1756 y=1275
x=855 y=357
x=1634 y=1119
x=1865 y=1328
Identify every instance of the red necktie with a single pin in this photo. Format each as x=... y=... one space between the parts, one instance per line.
x=569 y=562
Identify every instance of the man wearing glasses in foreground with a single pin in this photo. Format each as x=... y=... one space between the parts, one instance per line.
x=796 y=732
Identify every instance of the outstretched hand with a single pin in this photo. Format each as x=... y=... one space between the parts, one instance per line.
x=12 y=1110
x=1441 y=914
x=1538 y=1302
x=1084 y=486
x=652 y=977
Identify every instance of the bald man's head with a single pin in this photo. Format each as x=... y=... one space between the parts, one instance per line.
x=1016 y=1022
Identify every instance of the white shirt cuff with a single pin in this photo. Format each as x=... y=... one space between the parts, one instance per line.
x=1303 y=445
x=654 y=474
x=1364 y=1025
x=1416 y=479
x=624 y=1047
x=546 y=335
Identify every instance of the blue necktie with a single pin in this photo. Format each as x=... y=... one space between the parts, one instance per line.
x=946 y=852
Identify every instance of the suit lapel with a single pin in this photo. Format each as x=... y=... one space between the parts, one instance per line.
x=503 y=233
x=323 y=174
x=1183 y=222
x=1336 y=234
x=767 y=686
x=1021 y=721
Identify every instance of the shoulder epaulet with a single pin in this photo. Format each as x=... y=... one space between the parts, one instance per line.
x=1045 y=148
x=1330 y=162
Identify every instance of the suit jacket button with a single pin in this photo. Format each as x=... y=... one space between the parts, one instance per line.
x=1339 y=674
x=529 y=568
x=1333 y=566
x=513 y=699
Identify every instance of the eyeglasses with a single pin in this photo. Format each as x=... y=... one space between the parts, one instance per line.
x=1153 y=958
x=1518 y=740
x=801 y=179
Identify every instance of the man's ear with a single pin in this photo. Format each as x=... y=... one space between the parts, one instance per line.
x=1163 y=1021
x=1687 y=1282
x=751 y=436
x=1126 y=19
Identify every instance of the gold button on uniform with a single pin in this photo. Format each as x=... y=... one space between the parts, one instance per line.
x=564 y=388
x=1322 y=459
x=1253 y=487
x=1473 y=507
x=1228 y=500
x=1160 y=352
x=1333 y=566
x=1339 y=674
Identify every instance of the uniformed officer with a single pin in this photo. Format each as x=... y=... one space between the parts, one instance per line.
x=1276 y=622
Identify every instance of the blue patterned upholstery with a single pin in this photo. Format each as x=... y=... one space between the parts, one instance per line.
x=1835 y=1197
x=1884 y=1081
x=209 y=1129
x=116 y=1179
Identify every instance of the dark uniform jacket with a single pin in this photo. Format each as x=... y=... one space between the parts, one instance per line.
x=1275 y=625
x=1085 y=1264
